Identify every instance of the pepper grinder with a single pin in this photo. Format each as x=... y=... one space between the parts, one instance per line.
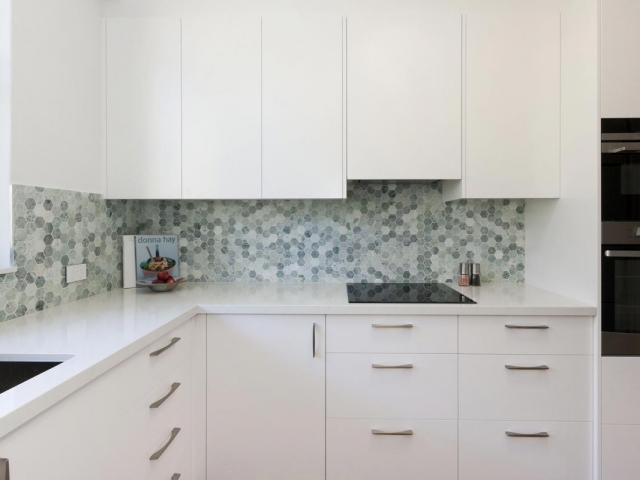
x=475 y=274
x=464 y=279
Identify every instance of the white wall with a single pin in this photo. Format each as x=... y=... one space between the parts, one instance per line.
x=56 y=94
x=5 y=132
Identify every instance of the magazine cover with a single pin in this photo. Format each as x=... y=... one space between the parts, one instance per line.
x=156 y=257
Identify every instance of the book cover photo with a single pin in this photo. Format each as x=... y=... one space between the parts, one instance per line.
x=157 y=258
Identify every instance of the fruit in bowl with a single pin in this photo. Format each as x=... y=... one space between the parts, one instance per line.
x=163 y=282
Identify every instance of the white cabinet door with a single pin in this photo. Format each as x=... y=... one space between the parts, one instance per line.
x=221 y=140
x=620 y=390
x=620 y=459
x=143 y=108
x=404 y=96
x=512 y=107
x=302 y=107
x=620 y=59
x=266 y=397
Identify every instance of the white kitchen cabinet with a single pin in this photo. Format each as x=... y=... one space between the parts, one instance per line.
x=620 y=459
x=620 y=59
x=221 y=109
x=302 y=107
x=512 y=109
x=404 y=96
x=143 y=108
x=620 y=390
x=266 y=397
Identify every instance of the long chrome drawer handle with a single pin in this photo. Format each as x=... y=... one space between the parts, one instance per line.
x=408 y=365
x=173 y=341
x=175 y=476
x=524 y=435
x=528 y=327
x=157 y=403
x=382 y=432
x=158 y=454
x=384 y=325
x=515 y=367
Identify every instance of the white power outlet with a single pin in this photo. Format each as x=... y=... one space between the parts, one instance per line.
x=76 y=273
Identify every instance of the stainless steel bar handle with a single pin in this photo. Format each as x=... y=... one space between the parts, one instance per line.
x=407 y=365
x=515 y=367
x=158 y=454
x=175 y=476
x=4 y=469
x=524 y=435
x=528 y=327
x=401 y=432
x=313 y=344
x=622 y=254
x=157 y=403
x=385 y=325
x=173 y=341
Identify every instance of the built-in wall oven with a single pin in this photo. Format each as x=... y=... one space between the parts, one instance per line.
x=620 y=191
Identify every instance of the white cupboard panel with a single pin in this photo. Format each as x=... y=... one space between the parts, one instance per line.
x=392 y=333
x=355 y=389
x=354 y=453
x=621 y=390
x=512 y=106
x=620 y=459
x=302 y=107
x=221 y=95
x=526 y=335
x=143 y=110
x=620 y=66
x=490 y=391
x=487 y=453
x=404 y=96
x=266 y=397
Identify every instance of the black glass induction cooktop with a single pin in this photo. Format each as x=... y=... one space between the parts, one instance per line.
x=404 y=293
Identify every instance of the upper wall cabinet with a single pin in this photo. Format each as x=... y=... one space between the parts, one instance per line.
x=404 y=96
x=302 y=107
x=620 y=59
x=143 y=108
x=512 y=108
x=221 y=140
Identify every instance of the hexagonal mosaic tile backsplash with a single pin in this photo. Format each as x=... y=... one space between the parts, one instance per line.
x=393 y=232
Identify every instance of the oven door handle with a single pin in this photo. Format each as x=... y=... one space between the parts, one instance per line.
x=622 y=253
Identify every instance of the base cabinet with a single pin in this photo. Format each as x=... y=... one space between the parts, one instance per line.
x=266 y=397
x=356 y=452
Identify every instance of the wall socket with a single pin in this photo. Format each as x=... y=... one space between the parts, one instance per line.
x=76 y=273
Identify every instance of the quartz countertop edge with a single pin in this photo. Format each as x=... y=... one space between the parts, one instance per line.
x=104 y=330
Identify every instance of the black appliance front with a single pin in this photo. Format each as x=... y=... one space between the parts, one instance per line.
x=620 y=159
x=621 y=289
x=404 y=293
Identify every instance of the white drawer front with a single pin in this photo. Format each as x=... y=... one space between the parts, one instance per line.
x=490 y=391
x=146 y=469
x=142 y=423
x=354 y=453
x=392 y=334
x=620 y=459
x=621 y=390
x=526 y=335
x=487 y=453
x=355 y=389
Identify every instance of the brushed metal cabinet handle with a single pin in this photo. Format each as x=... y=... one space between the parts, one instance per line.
x=157 y=403
x=621 y=254
x=158 y=454
x=173 y=341
x=515 y=367
x=313 y=344
x=528 y=327
x=4 y=469
x=382 y=432
x=385 y=325
x=175 y=476
x=524 y=435
x=407 y=365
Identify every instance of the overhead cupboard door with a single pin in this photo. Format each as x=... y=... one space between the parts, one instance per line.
x=143 y=70
x=221 y=135
x=302 y=106
x=404 y=96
